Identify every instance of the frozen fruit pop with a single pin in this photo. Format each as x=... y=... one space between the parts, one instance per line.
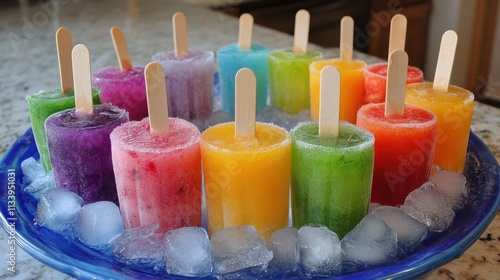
x=78 y=139
x=45 y=103
x=123 y=87
x=246 y=168
x=331 y=172
x=404 y=139
x=452 y=105
x=289 y=70
x=351 y=77
x=188 y=75
x=376 y=74
x=157 y=164
x=243 y=54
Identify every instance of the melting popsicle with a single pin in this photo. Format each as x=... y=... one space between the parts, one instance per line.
x=157 y=164
x=351 y=76
x=188 y=74
x=78 y=139
x=452 y=105
x=246 y=168
x=123 y=87
x=332 y=165
x=404 y=138
x=45 y=103
x=376 y=74
x=232 y=58
x=289 y=70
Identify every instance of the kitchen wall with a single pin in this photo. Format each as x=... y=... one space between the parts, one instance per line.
x=494 y=79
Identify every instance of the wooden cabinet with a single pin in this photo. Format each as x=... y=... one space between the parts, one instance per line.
x=371 y=18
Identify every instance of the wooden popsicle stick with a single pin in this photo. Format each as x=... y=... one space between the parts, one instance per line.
x=329 y=101
x=301 y=31
x=180 y=34
x=156 y=90
x=445 y=60
x=245 y=99
x=64 y=43
x=82 y=75
x=346 y=38
x=121 y=49
x=396 y=83
x=245 y=31
x=397 y=35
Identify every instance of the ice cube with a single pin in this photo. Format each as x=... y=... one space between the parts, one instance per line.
x=32 y=169
x=139 y=245
x=320 y=251
x=41 y=185
x=452 y=185
x=278 y=117
x=429 y=206
x=409 y=231
x=369 y=244
x=237 y=248
x=98 y=223
x=187 y=252
x=57 y=209
x=283 y=244
x=373 y=206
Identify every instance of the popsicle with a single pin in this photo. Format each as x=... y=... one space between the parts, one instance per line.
x=289 y=70
x=188 y=75
x=376 y=74
x=246 y=167
x=332 y=165
x=452 y=105
x=44 y=103
x=123 y=87
x=78 y=139
x=233 y=57
x=351 y=76
x=157 y=164
x=404 y=138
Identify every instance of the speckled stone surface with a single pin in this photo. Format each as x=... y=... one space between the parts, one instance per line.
x=28 y=64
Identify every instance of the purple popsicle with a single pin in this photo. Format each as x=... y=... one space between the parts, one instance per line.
x=80 y=151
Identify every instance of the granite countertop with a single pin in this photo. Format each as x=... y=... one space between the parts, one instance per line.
x=29 y=64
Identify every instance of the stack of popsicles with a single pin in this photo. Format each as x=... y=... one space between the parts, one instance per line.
x=352 y=154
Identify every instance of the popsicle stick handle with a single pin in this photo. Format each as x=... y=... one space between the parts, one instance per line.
x=396 y=83
x=156 y=90
x=245 y=32
x=180 y=34
x=329 y=100
x=301 y=31
x=397 y=34
x=245 y=99
x=445 y=60
x=82 y=75
x=121 y=49
x=346 y=38
x=64 y=43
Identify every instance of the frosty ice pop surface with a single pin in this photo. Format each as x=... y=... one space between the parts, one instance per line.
x=289 y=70
x=189 y=76
x=230 y=156
x=78 y=139
x=233 y=57
x=123 y=87
x=158 y=165
x=452 y=105
x=43 y=104
x=351 y=76
x=404 y=139
x=331 y=172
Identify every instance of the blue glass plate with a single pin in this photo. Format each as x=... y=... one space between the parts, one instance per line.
x=75 y=259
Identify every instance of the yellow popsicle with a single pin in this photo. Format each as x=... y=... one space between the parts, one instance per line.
x=247 y=180
x=453 y=109
x=351 y=87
